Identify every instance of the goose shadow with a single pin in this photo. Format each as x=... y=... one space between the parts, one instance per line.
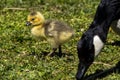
x=99 y=74
x=116 y=43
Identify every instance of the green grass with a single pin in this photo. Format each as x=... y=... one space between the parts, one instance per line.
x=21 y=56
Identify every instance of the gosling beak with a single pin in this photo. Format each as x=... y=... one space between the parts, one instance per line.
x=28 y=23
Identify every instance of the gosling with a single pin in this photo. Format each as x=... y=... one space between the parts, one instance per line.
x=55 y=32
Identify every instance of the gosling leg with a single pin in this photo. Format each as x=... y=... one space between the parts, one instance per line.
x=60 y=51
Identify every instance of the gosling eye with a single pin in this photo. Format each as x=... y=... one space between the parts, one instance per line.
x=32 y=19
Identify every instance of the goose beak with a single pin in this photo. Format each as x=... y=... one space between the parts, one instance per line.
x=82 y=68
x=28 y=23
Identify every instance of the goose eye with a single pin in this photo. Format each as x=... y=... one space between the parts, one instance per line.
x=32 y=19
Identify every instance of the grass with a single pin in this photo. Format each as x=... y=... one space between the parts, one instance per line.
x=21 y=56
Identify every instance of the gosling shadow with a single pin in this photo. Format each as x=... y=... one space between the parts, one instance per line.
x=43 y=54
x=99 y=74
x=56 y=54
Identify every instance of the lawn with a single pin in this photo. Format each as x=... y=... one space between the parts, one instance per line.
x=22 y=56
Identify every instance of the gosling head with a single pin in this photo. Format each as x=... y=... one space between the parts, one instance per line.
x=35 y=18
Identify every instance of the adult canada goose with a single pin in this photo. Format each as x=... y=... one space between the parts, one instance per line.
x=92 y=41
x=54 y=31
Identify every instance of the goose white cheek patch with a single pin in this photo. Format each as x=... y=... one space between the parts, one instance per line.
x=98 y=44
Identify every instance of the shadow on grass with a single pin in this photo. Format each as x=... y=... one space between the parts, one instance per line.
x=99 y=74
x=55 y=54
x=45 y=53
x=116 y=43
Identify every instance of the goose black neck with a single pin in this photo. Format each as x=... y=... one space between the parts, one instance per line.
x=104 y=16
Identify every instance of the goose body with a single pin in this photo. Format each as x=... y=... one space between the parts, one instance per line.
x=93 y=40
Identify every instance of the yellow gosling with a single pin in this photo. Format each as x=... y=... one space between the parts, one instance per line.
x=54 y=31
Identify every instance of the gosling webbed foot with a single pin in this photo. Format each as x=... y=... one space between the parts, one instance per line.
x=53 y=52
